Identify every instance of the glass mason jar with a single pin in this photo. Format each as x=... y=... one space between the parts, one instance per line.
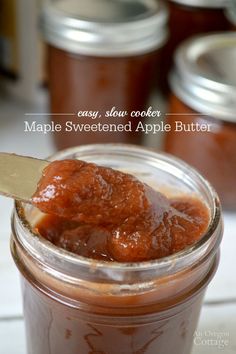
x=102 y=56
x=204 y=94
x=186 y=19
x=74 y=304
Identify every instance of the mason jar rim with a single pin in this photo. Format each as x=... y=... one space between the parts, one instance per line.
x=190 y=255
x=214 y=4
x=208 y=91
x=139 y=34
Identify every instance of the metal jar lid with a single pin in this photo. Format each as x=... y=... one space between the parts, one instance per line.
x=231 y=12
x=204 y=77
x=105 y=27
x=203 y=3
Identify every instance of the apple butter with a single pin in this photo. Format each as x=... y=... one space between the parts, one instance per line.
x=204 y=92
x=92 y=276
x=106 y=214
x=186 y=19
x=102 y=55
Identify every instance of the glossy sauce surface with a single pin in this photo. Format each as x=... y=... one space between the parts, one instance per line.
x=104 y=214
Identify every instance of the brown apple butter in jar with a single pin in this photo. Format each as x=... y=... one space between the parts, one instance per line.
x=186 y=19
x=102 y=61
x=202 y=110
x=84 y=299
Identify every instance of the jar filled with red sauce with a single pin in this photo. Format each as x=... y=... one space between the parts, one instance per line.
x=76 y=304
x=202 y=110
x=102 y=60
x=186 y=19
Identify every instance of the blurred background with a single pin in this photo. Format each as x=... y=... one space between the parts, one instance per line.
x=59 y=57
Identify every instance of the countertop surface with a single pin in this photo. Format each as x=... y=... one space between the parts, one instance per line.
x=218 y=317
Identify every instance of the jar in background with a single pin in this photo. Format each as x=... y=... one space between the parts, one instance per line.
x=74 y=304
x=188 y=18
x=204 y=94
x=231 y=13
x=101 y=54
